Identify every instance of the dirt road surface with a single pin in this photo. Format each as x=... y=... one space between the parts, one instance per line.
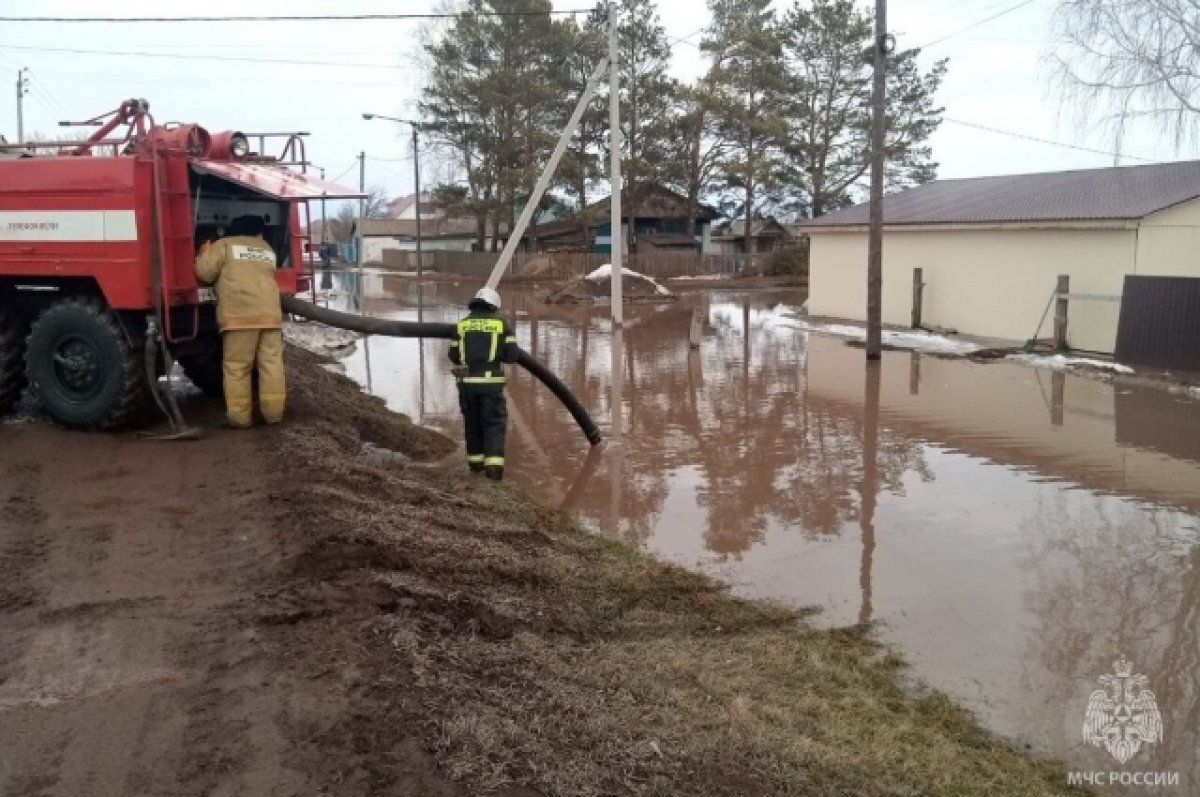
x=133 y=658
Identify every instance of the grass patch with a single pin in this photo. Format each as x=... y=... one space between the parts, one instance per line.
x=527 y=653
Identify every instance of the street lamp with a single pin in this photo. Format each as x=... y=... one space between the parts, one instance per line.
x=416 y=126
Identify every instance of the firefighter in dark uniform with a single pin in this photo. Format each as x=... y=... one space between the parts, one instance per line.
x=483 y=342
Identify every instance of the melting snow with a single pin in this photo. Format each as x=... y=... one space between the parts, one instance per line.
x=318 y=338
x=605 y=272
x=919 y=341
x=1064 y=362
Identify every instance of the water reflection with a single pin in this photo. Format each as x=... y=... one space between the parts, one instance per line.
x=1012 y=530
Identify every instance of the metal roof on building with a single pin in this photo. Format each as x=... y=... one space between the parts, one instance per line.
x=1113 y=194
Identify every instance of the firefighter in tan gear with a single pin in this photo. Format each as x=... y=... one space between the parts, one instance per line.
x=242 y=266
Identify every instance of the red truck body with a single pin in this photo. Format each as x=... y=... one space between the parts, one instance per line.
x=119 y=221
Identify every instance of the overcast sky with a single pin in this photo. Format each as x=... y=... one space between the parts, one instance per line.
x=996 y=77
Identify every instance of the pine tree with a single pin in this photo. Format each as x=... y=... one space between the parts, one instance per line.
x=749 y=85
x=494 y=99
x=583 y=164
x=700 y=146
x=829 y=45
x=647 y=97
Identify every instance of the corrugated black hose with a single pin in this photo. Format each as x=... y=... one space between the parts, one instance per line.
x=415 y=329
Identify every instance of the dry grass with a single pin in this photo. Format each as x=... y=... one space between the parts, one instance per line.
x=525 y=652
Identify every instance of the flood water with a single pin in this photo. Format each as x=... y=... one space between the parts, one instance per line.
x=1012 y=531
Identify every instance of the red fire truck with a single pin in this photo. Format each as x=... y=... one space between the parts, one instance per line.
x=98 y=239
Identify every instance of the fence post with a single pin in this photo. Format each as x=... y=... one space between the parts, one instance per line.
x=1058 y=390
x=694 y=332
x=1060 y=312
x=918 y=286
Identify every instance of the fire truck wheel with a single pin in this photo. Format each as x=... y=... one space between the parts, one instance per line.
x=12 y=360
x=204 y=369
x=82 y=368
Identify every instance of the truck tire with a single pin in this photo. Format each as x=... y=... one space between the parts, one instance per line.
x=82 y=368
x=203 y=368
x=12 y=360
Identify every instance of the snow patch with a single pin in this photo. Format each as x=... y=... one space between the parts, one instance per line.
x=319 y=338
x=1065 y=362
x=605 y=272
x=901 y=339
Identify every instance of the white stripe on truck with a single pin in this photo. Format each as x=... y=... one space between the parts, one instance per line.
x=67 y=225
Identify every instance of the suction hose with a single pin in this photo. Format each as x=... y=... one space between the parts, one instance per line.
x=415 y=329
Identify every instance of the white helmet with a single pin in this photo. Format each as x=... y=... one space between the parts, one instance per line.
x=489 y=295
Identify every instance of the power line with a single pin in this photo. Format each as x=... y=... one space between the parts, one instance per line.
x=684 y=39
x=1047 y=141
x=292 y=18
x=348 y=170
x=213 y=79
x=185 y=56
x=39 y=87
x=393 y=173
x=980 y=23
x=38 y=99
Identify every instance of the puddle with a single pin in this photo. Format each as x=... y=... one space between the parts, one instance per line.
x=1013 y=530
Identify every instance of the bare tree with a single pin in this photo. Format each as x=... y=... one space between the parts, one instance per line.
x=341 y=226
x=1130 y=60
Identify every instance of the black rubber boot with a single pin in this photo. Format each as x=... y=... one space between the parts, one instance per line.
x=476 y=467
x=494 y=472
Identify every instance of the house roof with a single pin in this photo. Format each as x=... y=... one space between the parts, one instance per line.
x=400 y=204
x=758 y=229
x=648 y=200
x=404 y=203
x=430 y=228
x=1112 y=194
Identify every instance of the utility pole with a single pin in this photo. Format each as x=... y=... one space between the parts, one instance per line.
x=22 y=90
x=614 y=142
x=358 y=228
x=417 y=187
x=362 y=185
x=883 y=47
x=324 y=222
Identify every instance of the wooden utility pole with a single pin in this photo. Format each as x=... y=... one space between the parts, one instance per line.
x=22 y=90
x=416 y=145
x=875 y=238
x=362 y=216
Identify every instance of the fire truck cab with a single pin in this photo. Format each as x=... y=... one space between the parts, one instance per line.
x=98 y=240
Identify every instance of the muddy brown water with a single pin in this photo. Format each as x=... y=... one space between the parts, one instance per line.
x=1012 y=531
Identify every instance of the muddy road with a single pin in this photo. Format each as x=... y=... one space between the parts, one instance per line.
x=128 y=662
x=146 y=611
x=1012 y=530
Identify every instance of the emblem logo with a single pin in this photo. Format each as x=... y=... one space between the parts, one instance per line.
x=1123 y=715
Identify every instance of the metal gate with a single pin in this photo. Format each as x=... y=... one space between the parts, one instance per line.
x=1160 y=322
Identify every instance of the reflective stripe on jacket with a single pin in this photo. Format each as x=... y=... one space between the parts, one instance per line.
x=483 y=342
x=243 y=269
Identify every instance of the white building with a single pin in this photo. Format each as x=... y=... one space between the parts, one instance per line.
x=992 y=248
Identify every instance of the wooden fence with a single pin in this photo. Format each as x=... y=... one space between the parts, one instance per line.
x=563 y=266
